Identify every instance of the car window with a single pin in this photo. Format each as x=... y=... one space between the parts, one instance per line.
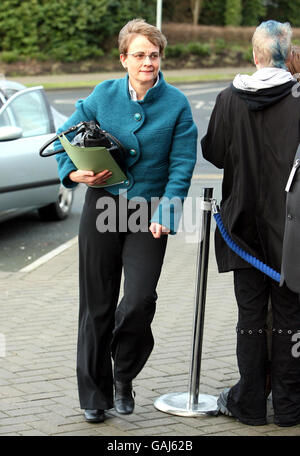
x=4 y=120
x=28 y=111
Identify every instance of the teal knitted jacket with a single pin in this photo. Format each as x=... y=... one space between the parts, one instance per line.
x=158 y=134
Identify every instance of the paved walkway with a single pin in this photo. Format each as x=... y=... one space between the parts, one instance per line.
x=38 y=390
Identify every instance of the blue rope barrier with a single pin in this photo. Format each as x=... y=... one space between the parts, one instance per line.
x=246 y=256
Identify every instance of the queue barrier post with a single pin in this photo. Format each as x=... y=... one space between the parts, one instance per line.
x=192 y=403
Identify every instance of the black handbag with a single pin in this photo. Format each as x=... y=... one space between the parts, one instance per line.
x=90 y=134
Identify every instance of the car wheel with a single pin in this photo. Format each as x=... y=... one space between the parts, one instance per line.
x=61 y=209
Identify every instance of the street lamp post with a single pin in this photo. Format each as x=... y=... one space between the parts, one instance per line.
x=158 y=14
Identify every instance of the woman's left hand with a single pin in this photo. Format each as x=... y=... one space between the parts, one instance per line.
x=157 y=230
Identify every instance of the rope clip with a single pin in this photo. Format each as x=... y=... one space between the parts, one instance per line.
x=214 y=207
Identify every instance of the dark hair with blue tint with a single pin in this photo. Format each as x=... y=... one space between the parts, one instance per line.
x=272 y=43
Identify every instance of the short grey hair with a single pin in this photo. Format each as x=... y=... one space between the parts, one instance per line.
x=140 y=27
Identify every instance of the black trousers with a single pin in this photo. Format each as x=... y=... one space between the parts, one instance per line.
x=106 y=330
x=247 y=399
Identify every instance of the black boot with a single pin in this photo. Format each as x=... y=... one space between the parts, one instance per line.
x=94 y=416
x=124 y=398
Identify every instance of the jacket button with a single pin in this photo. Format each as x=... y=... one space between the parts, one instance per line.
x=137 y=116
x=127 y=182
x=132 y=152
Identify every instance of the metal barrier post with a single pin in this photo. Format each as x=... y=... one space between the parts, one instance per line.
x=192 y=403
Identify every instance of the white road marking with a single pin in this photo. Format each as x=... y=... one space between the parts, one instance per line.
x=198 y=104
x=65 y=101
x=42 y=260
x=207 y=176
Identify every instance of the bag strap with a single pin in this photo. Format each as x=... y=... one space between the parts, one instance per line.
x=54 y=152
x=70 y=130
x=110 y=136
x=294 y=169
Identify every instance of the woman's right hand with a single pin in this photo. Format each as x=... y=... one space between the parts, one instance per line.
x=89 y=177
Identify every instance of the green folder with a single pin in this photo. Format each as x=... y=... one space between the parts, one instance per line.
x=95 y=159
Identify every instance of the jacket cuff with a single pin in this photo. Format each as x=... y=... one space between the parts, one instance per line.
x=64 y=177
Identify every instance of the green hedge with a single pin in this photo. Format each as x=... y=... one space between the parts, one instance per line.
x=233 y=12
x=179 y=50
x=285 y=10
x=253 y=11
x=75 y=30
x=216 y=47
x=215 y=12
x=65 y=30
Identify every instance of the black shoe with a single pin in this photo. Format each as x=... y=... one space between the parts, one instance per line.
x=223 y=408
x=94 y=416
x=286 y=424
x=124 y=398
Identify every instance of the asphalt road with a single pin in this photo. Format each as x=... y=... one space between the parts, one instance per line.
x=25 y=239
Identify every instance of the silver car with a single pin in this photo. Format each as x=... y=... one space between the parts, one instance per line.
x=28 y=181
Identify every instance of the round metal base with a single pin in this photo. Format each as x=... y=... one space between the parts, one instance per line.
x=178 y=404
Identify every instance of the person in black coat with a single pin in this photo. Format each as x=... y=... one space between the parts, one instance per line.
x=253 y=134
x=290 y=266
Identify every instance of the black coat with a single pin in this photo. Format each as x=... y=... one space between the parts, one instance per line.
x=255 y=142
x=290 y=268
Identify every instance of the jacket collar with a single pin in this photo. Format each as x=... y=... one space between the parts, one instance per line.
x=265 y=78
x=264 y=98
x=152 y=93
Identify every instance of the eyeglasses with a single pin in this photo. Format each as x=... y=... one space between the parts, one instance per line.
x=140 y=56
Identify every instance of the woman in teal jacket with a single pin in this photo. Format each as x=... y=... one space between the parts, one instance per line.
x=154 y=123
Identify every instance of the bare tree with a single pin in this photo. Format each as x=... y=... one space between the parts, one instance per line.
x=196 y=6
